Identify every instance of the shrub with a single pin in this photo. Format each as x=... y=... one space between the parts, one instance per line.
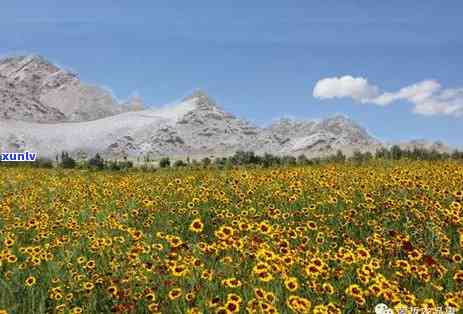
x=66 y=161
x=206 y=161
x=42 y=162
x=96 y=162
x=164 y=162
x=179 y=164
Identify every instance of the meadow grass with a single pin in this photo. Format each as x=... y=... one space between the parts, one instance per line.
x=336 y=238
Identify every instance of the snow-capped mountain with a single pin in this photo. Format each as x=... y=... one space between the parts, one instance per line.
x=48 y=110
x=194 y=127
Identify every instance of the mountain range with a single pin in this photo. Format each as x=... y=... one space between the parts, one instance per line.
x=47 y=109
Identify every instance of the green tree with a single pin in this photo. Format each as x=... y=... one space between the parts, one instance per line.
x=302 y=159
x=288 y=160
x=164 y=162
x=66 y=161
x=180 y=163
x=396 y=152
x=206 y=161
x=96 y=162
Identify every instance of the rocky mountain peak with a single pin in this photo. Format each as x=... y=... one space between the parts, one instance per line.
x=198 y=93
x=30 y=71
x=343 y=125
x=34 y=89
x=202 y=101
x=340 y=121
x=22 y=60
x=340 y=118
x=426 y=145
x=35 y=60
x=285 y=121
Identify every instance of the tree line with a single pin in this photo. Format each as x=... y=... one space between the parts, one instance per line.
x=65 y=161
x=247 y=159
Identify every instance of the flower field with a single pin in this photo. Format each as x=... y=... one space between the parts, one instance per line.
x=335 y=238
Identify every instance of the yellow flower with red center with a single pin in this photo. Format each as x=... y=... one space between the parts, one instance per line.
x=30 y=281
x=196 y=226
x=354 y=291
x=175 y=293
x=291 y=283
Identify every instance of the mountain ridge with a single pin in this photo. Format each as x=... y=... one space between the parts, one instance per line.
x=47 y=109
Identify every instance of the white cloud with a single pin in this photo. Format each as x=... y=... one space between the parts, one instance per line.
x=428 y=97
x=357 y=88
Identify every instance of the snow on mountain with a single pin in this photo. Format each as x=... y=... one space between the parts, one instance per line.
x=90 y=136
x=46 y=109
x=194 y=127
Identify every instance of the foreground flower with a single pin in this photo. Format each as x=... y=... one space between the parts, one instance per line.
x=30 y=281
x=196 y=226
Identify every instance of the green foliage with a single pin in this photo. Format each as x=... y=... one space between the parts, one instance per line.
x=396 y=152
x=206 y=161
x=119 y=165
x=244 y=158
x=42 y=162
x=248 y=159
x=96 y=162
x=67 y=162
x=180 y=163
x=340 y=157
x=131 y=227
x=164 y=162
x=302 y=160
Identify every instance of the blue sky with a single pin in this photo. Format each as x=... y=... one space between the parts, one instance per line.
x=259 y=60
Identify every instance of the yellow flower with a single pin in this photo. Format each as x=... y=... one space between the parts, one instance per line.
x=298 y=304
x=328 y=288
x=8 y=242
x=291 y=283
x=153 y=307
x=196 y=226
x=179 y=270
x=190 y=296
x=354 y=291
x=214 y=302
x=232 y=282
x=265 y=227
x=30 y=281
x=234 y=297
x=81 y=259
x=112 y=290
x=265 y=276
x=207 y=275
x=150 y=297
x=175 y=293
x=88 y=285
x=77 y=310
x=194 y=310
x=12 y=259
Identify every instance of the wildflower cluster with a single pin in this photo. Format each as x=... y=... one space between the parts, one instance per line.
x=335 y=238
